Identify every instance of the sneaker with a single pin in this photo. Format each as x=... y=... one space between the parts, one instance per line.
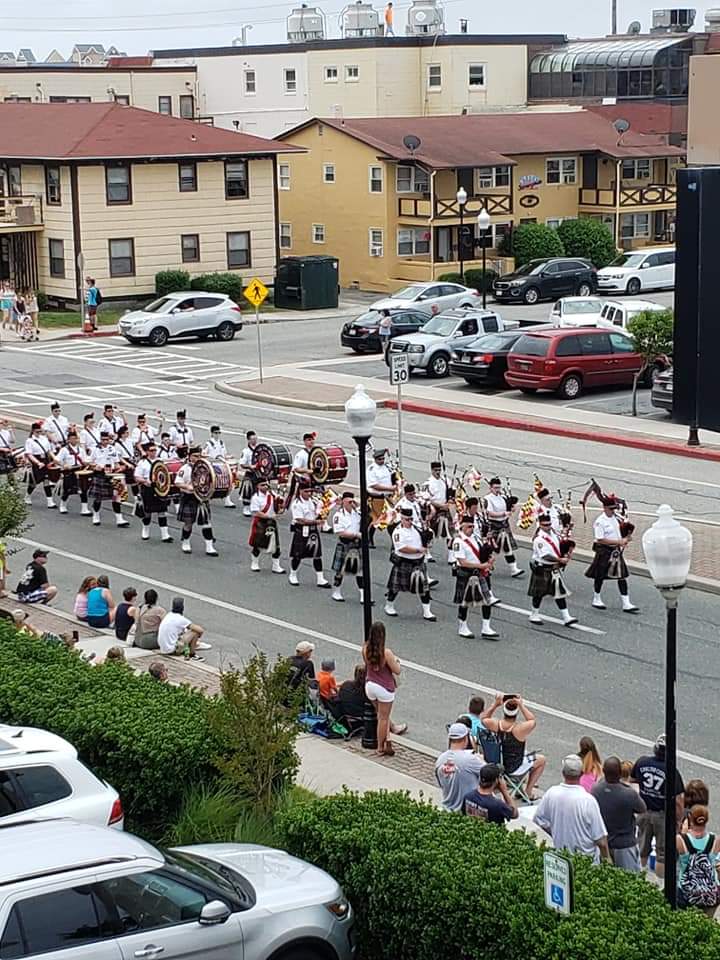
x=535 y=618
x=197 y=658
x=121 y=522
x=338 y=596
x=63 y=508
x=246 y=512
x=186 y=548
x=255 y=565
x=202 y=645
x=390 y=610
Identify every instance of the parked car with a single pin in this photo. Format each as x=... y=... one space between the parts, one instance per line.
x=430 y=298
x=661 y=394
x=483 y=361
x=567 y=361
x=193 y=314
x=40 y=772
x=618 y=313
x=546 y=280
x=646 y=269
x=429 y=349
x=362 y=335
x=72 y=890
x=576 y=311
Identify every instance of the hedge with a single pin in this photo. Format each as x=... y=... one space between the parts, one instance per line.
x=150 y=740
x=171 y=281
x=230 y=284
x=428 y=885
x=473 y=278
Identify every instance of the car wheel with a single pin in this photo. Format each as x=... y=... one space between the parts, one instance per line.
x=439 y=365
x=584 y=290
x=158 y=337
x=356 y=349
x=648 y=378
x=203 y=336
x=528 y=390
x=633 y=286
x=531 y=295
x=225 y=332
x=571 y=387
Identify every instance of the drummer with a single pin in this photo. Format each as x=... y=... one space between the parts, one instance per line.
x=246 y=465
x=126 y=461
x=180 y=433
x=380 y=487
x=150 y=502
x=264 y=533
x=73 y=461
x=8 y=461
x=38 y=452
x=192 y=510
x=106 y=481
x=306 y=541
x=215 y=449
x=165 y=450
x=57 y=426
x=143 y=433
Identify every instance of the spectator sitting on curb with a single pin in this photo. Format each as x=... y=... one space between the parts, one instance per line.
x=158 y=671
x=179 y=636
x=457 y=770
x=33 y=586
x=148 y=617
x=619 y=805
x=696 y=793
x=302 y=669
x=100 y=605
x=125 y=613
x=483 y=803
x=514 y=734
x=115 y=655
x=80 y=605
x=20 y=620
x=572 y=816
x=326 y=680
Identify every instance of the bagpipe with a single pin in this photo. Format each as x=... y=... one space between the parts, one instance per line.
x=567 y=544
x=623 y=514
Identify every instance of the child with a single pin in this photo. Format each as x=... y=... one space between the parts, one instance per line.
x=26 y=328
x=326 y=680
x=80 y=605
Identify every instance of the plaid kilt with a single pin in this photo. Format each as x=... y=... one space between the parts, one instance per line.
x=193 y=511
x=262 y=531
x=607 y=564
x=479 y=592
x=305 y=548
x=151 y=503
x=70 y=483
x=101 y=487
x=401 y=574
x=343 y=550
x=546 y=581
x=501 y=533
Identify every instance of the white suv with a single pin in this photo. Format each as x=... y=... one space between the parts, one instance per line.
x=40 y=772
x=189 y=314
x=652 y=268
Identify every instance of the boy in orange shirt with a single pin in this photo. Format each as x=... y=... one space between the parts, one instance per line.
x=326 y=680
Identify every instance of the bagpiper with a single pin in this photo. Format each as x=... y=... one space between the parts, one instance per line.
x=192 y=510
x=347 y=558
x=473 y=564
x=246 y=465
x=150 y=502
x=112 y=420
x=408 y=573
x=306 y=542
x=39 y=453
x=499 y=507
x=143 y=432
x=381 y=486
x=127 y=459
x=215 y=449
x=610 y=537
x=550 y=557
x=106 y=482
x=89 y=435
x=264 y=532
x=440 y=519
x=74 y=465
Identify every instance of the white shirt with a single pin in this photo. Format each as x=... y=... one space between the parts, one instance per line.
x=554 y=512
x=464 y=549
x=303 y=510
x=300 y=460
x=57 y=428
x=38 y=447
x=215 y=449
x=90 y=439
x=572 y=818
x=138 y=436
x=111 y=424
x=606 y=528
x=546 y=547
x=69 y=457
x=437 y=488
x=246 y=456
x=347 y=521
x=102 y=457
x=170 y=630
x=408 y=537
x=165 y=453
x=7 y=439
x=183 y=478
x=142 y=470
x=406 y=504
x=495 y=503
x=262 y=503
x=378 y=475
x=180 y=436
x=124 y=450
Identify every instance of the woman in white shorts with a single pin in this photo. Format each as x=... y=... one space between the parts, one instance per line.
x=382 y=669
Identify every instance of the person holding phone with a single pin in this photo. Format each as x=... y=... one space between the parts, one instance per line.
x=513 y=729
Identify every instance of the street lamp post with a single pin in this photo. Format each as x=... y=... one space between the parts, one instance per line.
x=667 y=546
x=461 y=197
x=483 y=222
x=360 y=413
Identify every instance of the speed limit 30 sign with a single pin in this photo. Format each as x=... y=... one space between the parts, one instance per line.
x=399 y=369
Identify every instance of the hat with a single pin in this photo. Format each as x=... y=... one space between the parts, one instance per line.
x=406 y=512
x=36 y=425
x=435 y=465
x=303 y=484
x=511 y=711
x=409 y=488
x=489 y=774
x=457 y=731
x=195 y=449
x=611 y=502
x=215 y=429
x=19 y=615
x=494 y=480
x=347 y=495
x=328 y=665
x=377 y=454
x=305 y=647
x=54 y=405
x=467 y=519
x=544 y=518
x=660 y=741
x=542 y=493
x=181 y=413
x=39 y=553
x=572 y=766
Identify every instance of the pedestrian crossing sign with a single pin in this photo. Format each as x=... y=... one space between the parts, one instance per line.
x=256 y=292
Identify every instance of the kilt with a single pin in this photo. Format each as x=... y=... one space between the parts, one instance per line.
x=607 y=564
x=70 y=483
x=408 y=575
x=193 y=511
x=39 y=473
x=440 y=524
x=151 y=502
x=305 y=548
x=347 y=552
x=101 y=487
x=501 y=533
x=478 y=592
x=8 y=463
x=263 y=532
x=546 y=581
x=247 y=488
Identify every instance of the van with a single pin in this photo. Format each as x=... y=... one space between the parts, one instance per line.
x=618 y=313
x=652 y=268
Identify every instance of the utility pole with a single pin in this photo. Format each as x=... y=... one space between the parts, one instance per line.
x=614 y=17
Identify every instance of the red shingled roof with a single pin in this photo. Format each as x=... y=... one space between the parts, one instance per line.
x=102 y=131
x=660 y=119
x=494 y=138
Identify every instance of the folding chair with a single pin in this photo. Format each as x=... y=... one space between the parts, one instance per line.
x=517 y=786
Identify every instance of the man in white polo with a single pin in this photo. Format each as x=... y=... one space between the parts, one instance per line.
x=572 y=816
x=177 y=634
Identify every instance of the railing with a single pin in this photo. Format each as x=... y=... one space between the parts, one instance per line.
x=21 y=211
x=495 y=204
x=645 y=196
x=415 y=206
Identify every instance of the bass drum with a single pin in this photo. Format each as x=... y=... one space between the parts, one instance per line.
x=211 y=479
x=272 y=461
x=328 y=464
x=160 y=479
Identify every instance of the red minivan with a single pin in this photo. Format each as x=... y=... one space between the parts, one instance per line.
x=568 y=360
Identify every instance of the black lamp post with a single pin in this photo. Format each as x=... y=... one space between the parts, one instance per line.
x=461 y=197
x=360 y=413
x=483 y=222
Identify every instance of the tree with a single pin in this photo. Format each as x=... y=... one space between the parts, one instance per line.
x=535 y=241
x=590 y=239
x=13 y=512
x=652 y=335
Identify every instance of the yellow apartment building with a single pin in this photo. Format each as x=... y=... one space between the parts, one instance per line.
x=381 y=193
x=118 y=193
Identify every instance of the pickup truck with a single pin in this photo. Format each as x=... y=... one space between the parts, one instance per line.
x=429 y=349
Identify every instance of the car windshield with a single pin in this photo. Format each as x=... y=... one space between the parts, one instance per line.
x=157 y=306
x=409 y=293
x=439 y=326
x=494 y=341
x=582 y=306
x=532 y=346
x=369 y=319
x=227 y=880
x=628 y=260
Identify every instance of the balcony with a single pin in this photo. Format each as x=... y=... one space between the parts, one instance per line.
x=651 y=195
x=20 y=213
x=420 y=206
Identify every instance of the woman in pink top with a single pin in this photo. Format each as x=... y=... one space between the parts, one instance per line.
x=380 y=683
x=592 y=764
x=80 y=605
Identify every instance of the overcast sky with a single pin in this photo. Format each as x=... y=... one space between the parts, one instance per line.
x=179 y=23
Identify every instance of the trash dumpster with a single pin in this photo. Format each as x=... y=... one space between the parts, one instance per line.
x=307 y=283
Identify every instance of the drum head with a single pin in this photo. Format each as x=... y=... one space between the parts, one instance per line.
x=160 y=479
x=203 y=479
x=264 y=462
x=319 y=464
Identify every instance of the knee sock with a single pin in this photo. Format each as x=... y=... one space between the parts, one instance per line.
x=425 y=597
x=317 y=565
x=96 y=506
x=116 y=509
x=510 y=558
x=536 y=601
x=207 y=533
x=561 y=603
x=185 y=535
x=598 y=584
x=463 y=613
x=47 y=487
x=162 y=520
x=294 y=563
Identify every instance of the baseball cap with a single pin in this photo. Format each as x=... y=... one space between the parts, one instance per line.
x=305 y=647
x=19 y=615
x=572 y=766
x=458 y=731
x=39 y=553
x=328 y=665
x=489 y=774
x=660 y=740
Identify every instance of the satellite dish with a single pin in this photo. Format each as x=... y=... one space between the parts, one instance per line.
x=622 y=126
x=411 y=142
x=634 y=28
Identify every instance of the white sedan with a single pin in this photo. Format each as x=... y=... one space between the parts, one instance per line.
x=576 y=311
x=430 y=298
x=189 y=314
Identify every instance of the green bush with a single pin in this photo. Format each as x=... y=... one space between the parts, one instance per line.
x=590 y=239
x=450 y=277
x=428 y=885
x=171 y=281
x=230 y=284
x=534 y=241
x=42 y=301
x=479 y=280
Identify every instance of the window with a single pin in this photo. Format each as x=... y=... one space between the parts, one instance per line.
x=415 y=240
x=187 y=106
x=285 y=236
x=476 y=75
x=187 y=177
x=151 y=900
x=42 y=785
x=56 y=250
x=14 y=178
x=290 y=80
x=284 y=176
x=352 y=73
x=53 y=190
x=561 y=170
x=488 y=177
x=328 y=173
x=553 y=223
x=375 y=237
x=236 y=180
x=190 y=246
x=250 y=87
x=123 y=99
x=318 y=233
x=238 y=249
x=331 y=74
x=17 y=99
x=621 y=344
x=634 y=225
x=10 y=802
x=165 y=106
x=434 y=76
x=122 y=257
x=568 y=347
x=411 y=180
x=118 y=187
x=375 y=177
x=70 y=99
x=594 y=344
x=61 y=920
x=636 y=170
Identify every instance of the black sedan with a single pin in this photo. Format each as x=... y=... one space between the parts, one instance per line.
x=363 y=336
x=484 y=360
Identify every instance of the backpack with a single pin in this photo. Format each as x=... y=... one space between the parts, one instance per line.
x=699 y=884
x=98 y=296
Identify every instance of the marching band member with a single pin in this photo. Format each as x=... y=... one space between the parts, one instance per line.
x=609 y=562
x=380 y=486
x=408 y=566
x=306 y=542
x=89 y=435
x=480 y=535
x=191 y=509
x=473 y=563
x=150 y=501
x=72 y=459
x=300 y=464
x=547 y=566
x=104 y=462
x=215 y=449
x=440 y=521
x=143 y=432
x=38 y=451
x=264 y=533
x=347 y=558
x=180 y=434
x=409 y=501
x=165 y=450
x=56 y=427
x=127 y=460
x=246 y=464
x=498 y=515
x=546 y=506
x=8 y=462
x=112 y=420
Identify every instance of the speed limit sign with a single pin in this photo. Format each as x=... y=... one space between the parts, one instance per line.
x=399 y=369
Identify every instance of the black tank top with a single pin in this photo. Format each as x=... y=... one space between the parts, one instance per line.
x=123 y=622
x=513 y=750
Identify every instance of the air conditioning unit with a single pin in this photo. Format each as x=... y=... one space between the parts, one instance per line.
x=375 y=252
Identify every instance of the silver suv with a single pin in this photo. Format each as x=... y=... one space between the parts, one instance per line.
x=73 y=891
x=190 y=314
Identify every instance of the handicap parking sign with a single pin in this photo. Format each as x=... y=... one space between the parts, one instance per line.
x=558 y=882
x=557 y=895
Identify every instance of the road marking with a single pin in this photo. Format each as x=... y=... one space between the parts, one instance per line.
x=575 y=626
x=346 y=644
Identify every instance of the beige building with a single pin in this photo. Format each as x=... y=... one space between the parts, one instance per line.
x=703 y=113
x=391 y=215
x=119 y=194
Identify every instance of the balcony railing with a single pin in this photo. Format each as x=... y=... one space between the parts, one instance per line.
x=21 y=212
x=495 y=204
x=642 y=196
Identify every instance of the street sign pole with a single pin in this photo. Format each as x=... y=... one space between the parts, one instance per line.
x=399 y=374
x=257 y=323
x=255 y=293
x=399 y=412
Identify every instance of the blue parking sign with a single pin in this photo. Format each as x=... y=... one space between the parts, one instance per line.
x=557 y=895
x=558 y=882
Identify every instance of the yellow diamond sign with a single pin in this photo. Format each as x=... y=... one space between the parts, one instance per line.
x=256 y=292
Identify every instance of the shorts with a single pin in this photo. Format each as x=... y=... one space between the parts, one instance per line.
x=652 y=824
x=181 y=644
x=373 y=691
x=35 y=596
x=626 y=858
x=99 y=622
x=91 y=310
x=525 y=766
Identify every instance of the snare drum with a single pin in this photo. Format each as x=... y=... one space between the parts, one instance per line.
x=211 y=479
x=53 y=472
x=272 y=461
x=328 y=464
x=235 y=472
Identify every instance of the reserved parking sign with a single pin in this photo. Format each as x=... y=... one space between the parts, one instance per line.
x=558 y=883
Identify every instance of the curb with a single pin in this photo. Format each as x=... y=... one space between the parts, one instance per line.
x=222 y=387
